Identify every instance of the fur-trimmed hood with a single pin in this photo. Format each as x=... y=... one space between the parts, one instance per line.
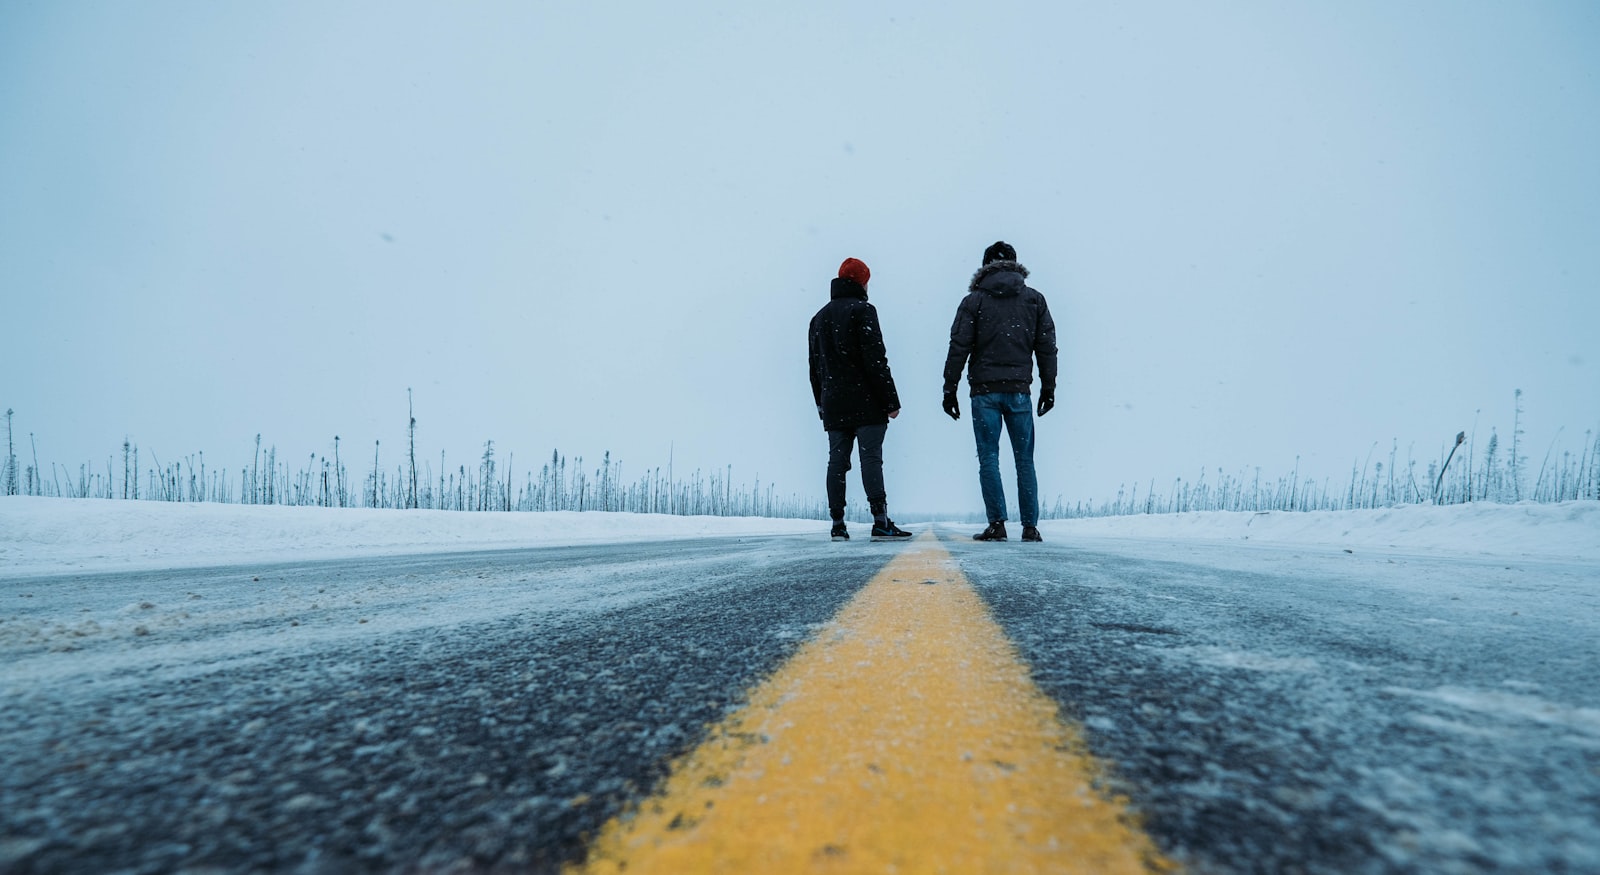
x=1001 y=279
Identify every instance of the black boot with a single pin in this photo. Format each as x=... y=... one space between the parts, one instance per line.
x=995 y=532
x=888 y=531
x=840 y=533
x=1031 y=533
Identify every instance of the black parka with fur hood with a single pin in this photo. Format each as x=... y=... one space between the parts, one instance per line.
x=1001 y=326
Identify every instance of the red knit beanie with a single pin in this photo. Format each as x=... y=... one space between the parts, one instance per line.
x=855 y=269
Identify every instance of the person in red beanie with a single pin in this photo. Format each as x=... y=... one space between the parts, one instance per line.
x=855 y=395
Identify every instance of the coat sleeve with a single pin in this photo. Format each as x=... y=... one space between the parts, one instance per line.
x=1044 y=347
x=963 y=334
x=815 y=347
x=875 y=358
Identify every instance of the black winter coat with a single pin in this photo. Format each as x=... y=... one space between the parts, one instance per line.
x=1002 y=325
x=850 y=379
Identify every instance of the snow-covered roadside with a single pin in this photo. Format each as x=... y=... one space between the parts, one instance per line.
x=55 y=535
x=1569 y=531
x=61 y=535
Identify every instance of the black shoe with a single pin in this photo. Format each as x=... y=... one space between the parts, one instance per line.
x=840 y=533
x=995 y=532
x=1031 y=533
x=888 y=531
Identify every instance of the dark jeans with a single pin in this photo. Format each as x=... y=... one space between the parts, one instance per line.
x=839 y=444
x=1015 y=411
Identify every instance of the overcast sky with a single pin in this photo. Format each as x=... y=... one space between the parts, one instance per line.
x=1266 y=230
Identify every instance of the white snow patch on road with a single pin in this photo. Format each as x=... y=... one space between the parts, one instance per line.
x=1246 y=660
x=1514 y=705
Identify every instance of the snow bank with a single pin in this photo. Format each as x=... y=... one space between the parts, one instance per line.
x=55 y=535
x=1570 y=530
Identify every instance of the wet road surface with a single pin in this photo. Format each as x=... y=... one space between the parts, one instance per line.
x=490 y=712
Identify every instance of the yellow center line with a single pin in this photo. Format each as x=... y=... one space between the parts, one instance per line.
x=906 y=737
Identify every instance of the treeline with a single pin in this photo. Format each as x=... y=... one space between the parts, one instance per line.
x=1498 y=471
x=489 y=483
x=1462 y=472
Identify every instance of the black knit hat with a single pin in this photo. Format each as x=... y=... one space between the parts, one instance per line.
x=999 y=251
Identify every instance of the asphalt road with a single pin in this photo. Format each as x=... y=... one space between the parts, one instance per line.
x=1326 y=713
x=488 y=712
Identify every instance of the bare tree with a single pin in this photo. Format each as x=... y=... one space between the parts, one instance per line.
x=11 y=457
x=411 y=435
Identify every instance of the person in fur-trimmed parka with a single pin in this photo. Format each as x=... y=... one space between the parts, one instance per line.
x=854 y=393
x=1001 y=326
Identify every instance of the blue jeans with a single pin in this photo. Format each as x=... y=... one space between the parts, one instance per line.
x=1015 y=410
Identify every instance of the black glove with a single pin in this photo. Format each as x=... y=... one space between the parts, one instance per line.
x=951 y=406
x=1047 y=400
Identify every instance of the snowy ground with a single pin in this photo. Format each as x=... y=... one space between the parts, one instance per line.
x=40 y=536
x=45 y=544
x=1396 y=686
x=1567 y=531
x=52 y=535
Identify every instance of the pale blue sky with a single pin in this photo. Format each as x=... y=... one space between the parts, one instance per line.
x=1266 y=230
